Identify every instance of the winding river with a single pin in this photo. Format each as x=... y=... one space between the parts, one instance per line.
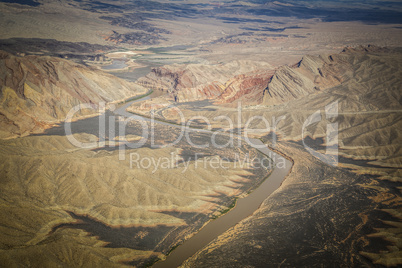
x=244 y=206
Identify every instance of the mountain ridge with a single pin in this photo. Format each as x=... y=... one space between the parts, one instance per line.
x=38 y=91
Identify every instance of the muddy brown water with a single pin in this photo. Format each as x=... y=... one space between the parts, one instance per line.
x=244 y=206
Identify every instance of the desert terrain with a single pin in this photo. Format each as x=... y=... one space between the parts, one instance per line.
x=125 y=131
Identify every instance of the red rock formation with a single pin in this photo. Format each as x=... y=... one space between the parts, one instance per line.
x=198 y=82
x=248 y=88
x=249 y=83
x=253 y=83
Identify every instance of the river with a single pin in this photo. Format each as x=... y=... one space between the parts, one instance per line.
x=244 y=207
x=117 y=64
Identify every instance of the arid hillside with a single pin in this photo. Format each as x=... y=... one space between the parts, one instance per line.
x=258 y=83
x=346 y=212
x=65 y=205
x=364 y=100
x=321 y=214
x=182 y=83
x=317 y=82
x=37 y=91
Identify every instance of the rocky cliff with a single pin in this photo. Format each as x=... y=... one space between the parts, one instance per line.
x=37 y=91
x=247 y=88
x=353 y=74
x=259 y=83
x=249 y=82
x=222 y=82
x=311 y=74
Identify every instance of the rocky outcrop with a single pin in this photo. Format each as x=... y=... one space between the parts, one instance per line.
x=199 y=82
x=38 y=91
x=317 y=73
x=311 y=74
x=251 y=83
x=247 y=88
x=258 y=83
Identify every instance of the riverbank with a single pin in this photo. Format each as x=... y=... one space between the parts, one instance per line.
x=243 y=208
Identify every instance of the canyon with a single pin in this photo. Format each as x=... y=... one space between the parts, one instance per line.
x=105 y=204
x=125 y=129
